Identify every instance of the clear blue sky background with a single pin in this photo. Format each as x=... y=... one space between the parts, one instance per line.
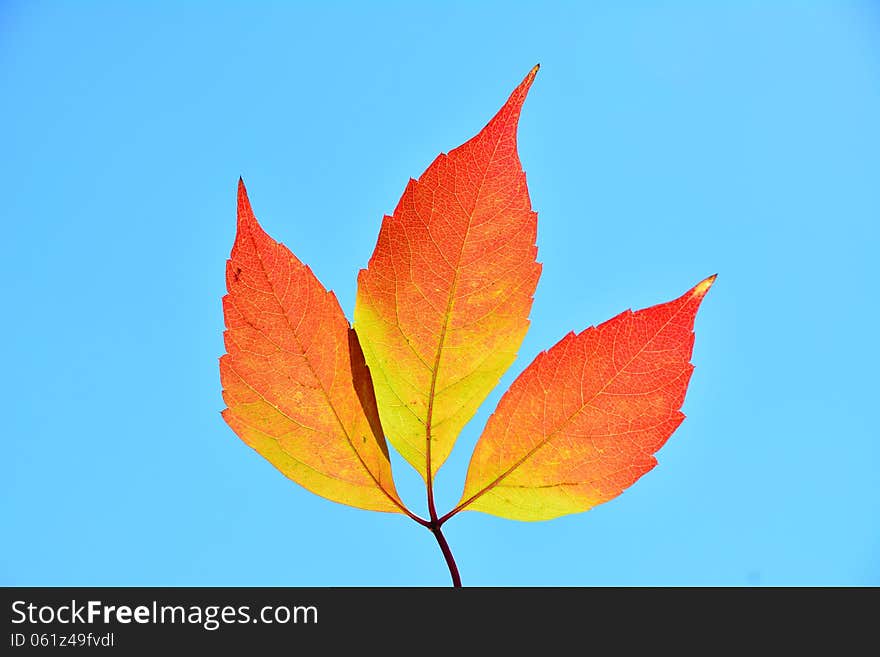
x=663 y=142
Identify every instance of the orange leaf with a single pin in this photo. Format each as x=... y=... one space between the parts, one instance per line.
x=294 y=380
x=583 y=421
x=443 y=305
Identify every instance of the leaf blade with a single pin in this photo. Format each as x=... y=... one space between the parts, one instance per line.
x=443 y=304
x=583 y=420
x=292 y=383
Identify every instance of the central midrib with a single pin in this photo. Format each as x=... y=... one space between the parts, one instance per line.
x=448 y=314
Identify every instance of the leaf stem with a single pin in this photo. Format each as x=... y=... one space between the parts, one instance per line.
x=443 y=519
x=435 y=523
x=447 y=554
x=429 y=484
x=413 y=516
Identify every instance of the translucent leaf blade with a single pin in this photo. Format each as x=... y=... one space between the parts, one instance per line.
x=584 y=419
x=294 y=383
x=443 y=304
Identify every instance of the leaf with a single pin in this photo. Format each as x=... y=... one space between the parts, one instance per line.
x=443 y=304
x=294 y=381
x=583 y=421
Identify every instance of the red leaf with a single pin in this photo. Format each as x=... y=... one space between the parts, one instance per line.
x=443 y=305
x=583 y=421
x=294 y=379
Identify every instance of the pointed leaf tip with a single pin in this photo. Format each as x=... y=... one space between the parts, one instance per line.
x=242 y=193
x=245 y=212
x=522 y=89
x=702 y=287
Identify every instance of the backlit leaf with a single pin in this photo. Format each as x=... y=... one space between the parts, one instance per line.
x=583 y=421
x=443 y=304
x=294 y=381
x=440 y=313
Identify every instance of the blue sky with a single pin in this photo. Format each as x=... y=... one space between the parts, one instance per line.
x=663 y=142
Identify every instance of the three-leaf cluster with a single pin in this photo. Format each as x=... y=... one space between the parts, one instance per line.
x=441 y=311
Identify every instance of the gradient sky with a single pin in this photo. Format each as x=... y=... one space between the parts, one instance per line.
x=663 y=142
